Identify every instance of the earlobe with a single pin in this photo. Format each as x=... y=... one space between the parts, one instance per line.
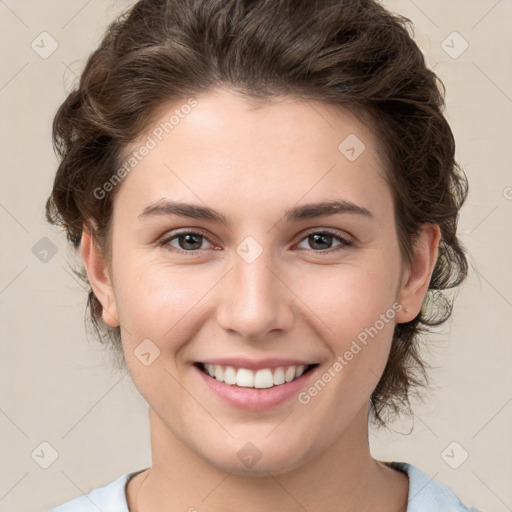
x=97 y=271
x=416 y=278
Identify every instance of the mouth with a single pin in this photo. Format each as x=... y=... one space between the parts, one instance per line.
x=263 y=378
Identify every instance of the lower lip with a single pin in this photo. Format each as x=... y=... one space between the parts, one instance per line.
x=251 y=398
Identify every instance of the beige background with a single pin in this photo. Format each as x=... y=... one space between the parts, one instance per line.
x=58 y=387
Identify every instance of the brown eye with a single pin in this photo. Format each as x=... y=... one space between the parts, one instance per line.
x=187 y=241
x=321 y=241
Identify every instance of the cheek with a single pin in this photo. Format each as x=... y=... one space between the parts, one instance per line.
x=357 y=307
x=350 y=299
x=156 y=300
x=360 y=311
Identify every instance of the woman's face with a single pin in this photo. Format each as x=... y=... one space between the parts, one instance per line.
x=263 y=292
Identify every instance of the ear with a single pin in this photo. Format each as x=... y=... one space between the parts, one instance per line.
x=416 y=276
x=97 y=271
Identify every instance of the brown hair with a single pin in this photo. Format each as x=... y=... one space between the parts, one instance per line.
x=351 y=53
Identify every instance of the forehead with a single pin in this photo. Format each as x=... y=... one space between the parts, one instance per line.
x=226 y=149
x=227 y=119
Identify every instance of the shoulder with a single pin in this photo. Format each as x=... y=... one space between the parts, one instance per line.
x=109 y=498
x=428 y=495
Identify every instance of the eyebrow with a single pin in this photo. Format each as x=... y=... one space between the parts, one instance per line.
x=306 y=211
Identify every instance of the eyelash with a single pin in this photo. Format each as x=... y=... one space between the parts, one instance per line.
x=344 y=241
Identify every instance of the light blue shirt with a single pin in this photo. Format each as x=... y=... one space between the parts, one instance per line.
x=425 y=495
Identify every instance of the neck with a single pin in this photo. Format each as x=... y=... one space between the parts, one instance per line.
x=345 y=477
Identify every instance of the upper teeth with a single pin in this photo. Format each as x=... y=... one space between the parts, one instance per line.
x=264 y=378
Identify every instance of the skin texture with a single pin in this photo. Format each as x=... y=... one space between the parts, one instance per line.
x=294 y=301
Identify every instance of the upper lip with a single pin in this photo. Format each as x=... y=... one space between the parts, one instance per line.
x=252 y=364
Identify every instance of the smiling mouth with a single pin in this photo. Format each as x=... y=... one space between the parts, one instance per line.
x=260 y=379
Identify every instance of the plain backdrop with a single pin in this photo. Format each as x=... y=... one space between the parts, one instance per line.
x=63 y=406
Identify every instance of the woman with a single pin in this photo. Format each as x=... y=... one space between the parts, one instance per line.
x=265 y=198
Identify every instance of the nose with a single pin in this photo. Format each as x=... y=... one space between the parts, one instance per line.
x=255 y=299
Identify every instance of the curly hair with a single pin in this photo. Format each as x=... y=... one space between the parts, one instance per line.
x=350 y=53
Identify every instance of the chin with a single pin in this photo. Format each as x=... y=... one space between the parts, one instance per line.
x=253 y=459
